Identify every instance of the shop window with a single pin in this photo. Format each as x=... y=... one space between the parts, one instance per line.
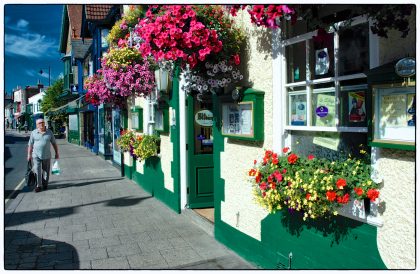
x=326 y=85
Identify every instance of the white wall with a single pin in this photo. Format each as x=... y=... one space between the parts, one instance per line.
x=239 y=209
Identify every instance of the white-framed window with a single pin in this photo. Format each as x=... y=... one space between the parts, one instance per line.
x=325 y=87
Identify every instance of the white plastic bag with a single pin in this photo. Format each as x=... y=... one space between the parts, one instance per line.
x=56 y=168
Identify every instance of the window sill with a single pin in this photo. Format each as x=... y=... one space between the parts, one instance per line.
x=328 y=129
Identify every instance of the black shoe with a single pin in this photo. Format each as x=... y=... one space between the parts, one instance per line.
x=37 y=189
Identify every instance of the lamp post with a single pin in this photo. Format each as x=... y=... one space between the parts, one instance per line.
x=49 y=74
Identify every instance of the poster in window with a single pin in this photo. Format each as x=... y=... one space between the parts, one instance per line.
x=325 y=110
x=322 y=61
x=411 y=111
x=299 y=116
x=357 y=109
x=246 y=119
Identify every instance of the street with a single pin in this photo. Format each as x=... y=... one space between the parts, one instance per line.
x=15 y=145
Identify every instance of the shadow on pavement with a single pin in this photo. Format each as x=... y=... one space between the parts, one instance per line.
x=17 y=218
x=58 y=184
x=24 y=250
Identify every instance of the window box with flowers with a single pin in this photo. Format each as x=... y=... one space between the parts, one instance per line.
x=315 y=188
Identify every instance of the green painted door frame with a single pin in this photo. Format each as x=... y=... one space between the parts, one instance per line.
x=200 y=158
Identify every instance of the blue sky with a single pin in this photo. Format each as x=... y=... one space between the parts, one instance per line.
x=31 y=40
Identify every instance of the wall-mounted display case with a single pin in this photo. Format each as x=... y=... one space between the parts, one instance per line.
x=244 y=120
x=393 y=88
x=394 y=122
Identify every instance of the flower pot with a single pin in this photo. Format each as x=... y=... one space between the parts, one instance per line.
x=354 y=209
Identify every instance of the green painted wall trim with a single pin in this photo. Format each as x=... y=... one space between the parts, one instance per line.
x=74 y=137
x=175 y=138
x=393 y=146
x=339 y=243
x=141 y=179
x=128 y=172
x=153 y=178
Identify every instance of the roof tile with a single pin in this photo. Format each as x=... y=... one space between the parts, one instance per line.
x=97 y=12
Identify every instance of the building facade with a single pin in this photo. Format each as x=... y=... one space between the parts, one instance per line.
x=317 y=93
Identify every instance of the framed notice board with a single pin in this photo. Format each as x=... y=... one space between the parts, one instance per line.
x=244 y=120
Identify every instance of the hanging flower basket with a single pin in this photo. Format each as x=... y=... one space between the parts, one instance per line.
x=202 y=39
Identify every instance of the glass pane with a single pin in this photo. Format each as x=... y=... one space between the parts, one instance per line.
x=297 y=110
x=323 y=106
x=203 y=127
x=296 y=62
x=321 y=55
x=101 y=126
x=354 y=49
x=292 y=30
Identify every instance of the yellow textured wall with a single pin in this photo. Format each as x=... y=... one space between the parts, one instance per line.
x=238 y=209
x=396 y=239
x=166 y=157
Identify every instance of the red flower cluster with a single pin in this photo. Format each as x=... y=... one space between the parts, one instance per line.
x=176 y=32
x=331 y=195
x=268 y=16
x=358 y=191
x=372 y=194
x=341 y=183
x=269 y=155
x=292 y=158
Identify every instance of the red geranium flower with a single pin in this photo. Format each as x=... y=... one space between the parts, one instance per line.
x=285 y=149
x=358 y=191
x=252 y=172
x=311 y=157
x=343 y=199
x=341 y=183
x=263 y=186
x=373 y=194
x=331 y=195
x=292 y=158
x=308 y=195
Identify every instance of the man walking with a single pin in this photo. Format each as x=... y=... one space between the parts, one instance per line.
x=39 y=151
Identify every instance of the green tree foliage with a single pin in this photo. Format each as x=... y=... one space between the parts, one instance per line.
x=51 y=100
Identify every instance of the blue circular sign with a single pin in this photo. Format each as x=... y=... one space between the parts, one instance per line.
x=322 y=111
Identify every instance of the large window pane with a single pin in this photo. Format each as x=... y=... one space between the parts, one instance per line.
x=354 y=49
x=296 y=62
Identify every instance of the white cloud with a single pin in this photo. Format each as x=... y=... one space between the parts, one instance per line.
x=22 y=24
x=30 y=72
x=32 y=45
x=60 y=76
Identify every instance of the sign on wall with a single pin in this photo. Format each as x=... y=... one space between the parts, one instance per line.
x=73 y=122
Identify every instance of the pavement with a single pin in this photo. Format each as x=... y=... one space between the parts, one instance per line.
x=92 y=218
